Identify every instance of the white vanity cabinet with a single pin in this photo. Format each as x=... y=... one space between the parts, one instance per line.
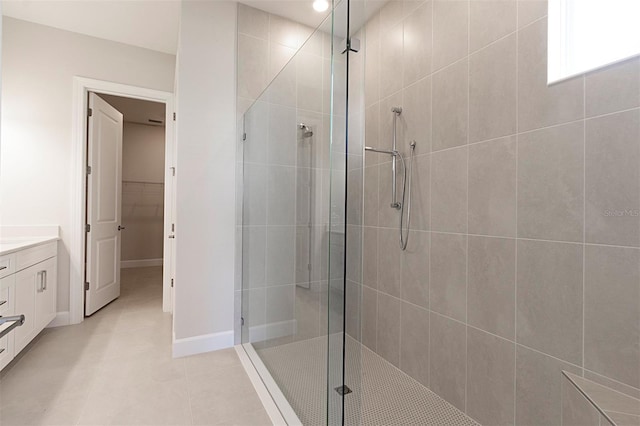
x=7 y=288
x=30 y=290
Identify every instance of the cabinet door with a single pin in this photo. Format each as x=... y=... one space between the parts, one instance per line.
x=46 y=293
x=7 y=296
x=28 y=282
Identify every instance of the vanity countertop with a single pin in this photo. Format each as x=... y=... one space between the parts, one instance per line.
x=11 y=245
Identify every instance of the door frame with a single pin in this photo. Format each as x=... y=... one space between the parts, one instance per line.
x=81 y=87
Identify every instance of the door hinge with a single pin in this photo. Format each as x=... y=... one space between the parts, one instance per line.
x=244 y=136
x=171 y=282
x=86 y=286
x=88 y=170
x=173 y=227
x=242 y=321
x=174 y=116
x=90 y=112
x=173 y=171
x=87 y=228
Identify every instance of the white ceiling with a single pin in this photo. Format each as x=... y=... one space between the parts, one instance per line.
x=137 y=110
x=152 y=24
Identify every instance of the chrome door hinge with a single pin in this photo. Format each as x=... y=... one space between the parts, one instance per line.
x=174 y=116
x=173 y=227
x=244 y=136
x=173 y=171
x=87 y=228
x=88 y=170
x=352 y=44
x=242 y=321
x=86 y=286
x=171 y=282
x=90 y=112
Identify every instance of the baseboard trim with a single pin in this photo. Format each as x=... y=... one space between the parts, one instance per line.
x=141 y=263
x=200 y=344
x=62 y=318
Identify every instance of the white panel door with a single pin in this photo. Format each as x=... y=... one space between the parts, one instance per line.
x=104 y=193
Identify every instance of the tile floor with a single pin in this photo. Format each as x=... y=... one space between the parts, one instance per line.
x=116 y=369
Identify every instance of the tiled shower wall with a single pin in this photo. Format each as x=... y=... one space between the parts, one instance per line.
x=523 y=257
x=283 y=80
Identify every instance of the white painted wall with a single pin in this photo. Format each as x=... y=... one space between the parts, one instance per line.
x=142 y=153
x=38 y=65
x=142 y=203
x=206 y=105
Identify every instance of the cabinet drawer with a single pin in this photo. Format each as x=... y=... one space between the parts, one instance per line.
x=7 y=287
x=6 y=350
x=5 y=302
x=7 y=264
x=28 y=257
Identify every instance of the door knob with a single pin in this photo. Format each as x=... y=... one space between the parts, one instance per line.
x=120 y=228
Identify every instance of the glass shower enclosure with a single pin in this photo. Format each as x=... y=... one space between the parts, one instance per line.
x=295 y=226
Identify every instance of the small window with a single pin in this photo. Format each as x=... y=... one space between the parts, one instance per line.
x=588 y=34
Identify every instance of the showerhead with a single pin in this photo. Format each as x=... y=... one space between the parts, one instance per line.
x=396 y=110
x=306 y=131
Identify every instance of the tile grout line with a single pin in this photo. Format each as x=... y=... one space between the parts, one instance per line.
x=429 y=284
x=466 y=263
x=584 y=213
x=515 y=277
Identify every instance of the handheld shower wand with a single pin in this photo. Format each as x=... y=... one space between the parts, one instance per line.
x=395 y=204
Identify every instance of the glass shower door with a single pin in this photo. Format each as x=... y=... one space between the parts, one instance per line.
x=293 y=226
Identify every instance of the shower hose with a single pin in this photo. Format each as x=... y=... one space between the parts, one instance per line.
x=404 y=239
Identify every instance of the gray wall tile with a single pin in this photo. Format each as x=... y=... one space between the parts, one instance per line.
x=448 y=282
x=450 y=31
x=371 y=196
x=388 y=328
x=370 y=257
x=490 y=378
x=447 y=359
x=613 y=179
x=280 y=255
x=416 y=113
x=492 y=90
x=414 y=346
x=614 y=88
x=540 y=105
x=253 y=22
x=415 y=269
x=612 y=313
x=420 y=193
x=449 y=190
x=492 y=188
x=281 y=195
x=550 y=183
x=450 y=106
x=549 y=298
x=391 y=61
x=253 y=61
x=538 y=387
x=417 y=44
x=492 y=285
x=490 y=20
x=389 y=261
x=530 y=11
x=369 y=317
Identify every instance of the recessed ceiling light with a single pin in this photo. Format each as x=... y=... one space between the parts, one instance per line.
x=320 y=5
